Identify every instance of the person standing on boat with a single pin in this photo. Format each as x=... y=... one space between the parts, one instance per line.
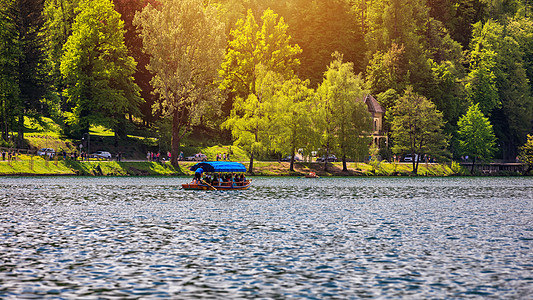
x=198 y=174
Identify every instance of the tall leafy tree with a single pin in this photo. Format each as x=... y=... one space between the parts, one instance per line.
x=255 y=52
x=251 y=119
x=58 y=18
x=31 y=72
x=23 y=81
x=185 y=41
x=475 y=135
x=98 y=70
x=417 y=127
x=9 y=56
x=481 y=83
x=133 y=41
x=293 y=109
x=347 y=119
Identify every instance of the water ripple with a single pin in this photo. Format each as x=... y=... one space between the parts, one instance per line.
x=344 y=238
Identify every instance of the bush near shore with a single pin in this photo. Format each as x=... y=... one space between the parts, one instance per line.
x=33 y=166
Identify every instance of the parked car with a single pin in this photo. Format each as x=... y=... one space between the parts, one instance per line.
x=409 y=158
x=288 y=158
x=197 y=157
x=101 y=154
x=331 y=158
x=46 y=151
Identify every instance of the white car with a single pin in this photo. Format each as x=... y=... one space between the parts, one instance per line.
x=46 y=151
x=197 y=157
x=101 y=154
x=409 y=158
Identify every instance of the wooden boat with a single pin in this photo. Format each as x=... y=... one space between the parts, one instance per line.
x=218 y=168
x=311 y=175
x=207 y=187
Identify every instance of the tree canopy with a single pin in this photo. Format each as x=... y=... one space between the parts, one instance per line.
x=250 y=45
x=185 y=41
x=453 y=53
x=98 y=70
x=417 y=127
x=475 y=135
x=346 y=121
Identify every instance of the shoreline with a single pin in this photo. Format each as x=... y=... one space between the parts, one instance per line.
x=40 y=167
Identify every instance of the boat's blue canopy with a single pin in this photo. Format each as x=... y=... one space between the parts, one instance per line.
x=220 y=166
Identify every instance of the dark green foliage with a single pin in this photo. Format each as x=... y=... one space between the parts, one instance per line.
x=22 y=79
x=98 y=70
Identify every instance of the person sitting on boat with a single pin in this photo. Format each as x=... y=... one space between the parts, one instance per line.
x=238 y=179
x=198 y=174
x=227 y=180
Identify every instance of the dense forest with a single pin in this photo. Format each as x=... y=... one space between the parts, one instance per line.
x=455 y=76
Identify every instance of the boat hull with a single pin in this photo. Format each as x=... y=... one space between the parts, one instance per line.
x=203 y=187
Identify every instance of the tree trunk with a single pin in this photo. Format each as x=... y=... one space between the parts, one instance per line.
x=116 y=138
x=473 y=164
x=344 y=166
x=326 y=158
x=175 y=143
x=20 y=135
x=251 y=167
x=415 y=169
x=292 y=161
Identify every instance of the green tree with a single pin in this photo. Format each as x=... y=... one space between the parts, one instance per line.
x=475 y=135
x=10 y=105
x=98 y=70
x=346 y=117
x=292 y=123
x=58 y=18
x=481 y=86
x=499 y=80
x=186 y=43
x=31 y=72
x=251 y=119
x=526 y=153
x=251 y=45
x=22 y=83
x=417 y=127
x=127 y=10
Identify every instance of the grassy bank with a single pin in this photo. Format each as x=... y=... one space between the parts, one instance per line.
x=33 y=166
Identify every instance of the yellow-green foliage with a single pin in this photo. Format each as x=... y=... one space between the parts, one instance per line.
x=101 y=131
x=236 y=153
x=457 y=169
x=47 y=126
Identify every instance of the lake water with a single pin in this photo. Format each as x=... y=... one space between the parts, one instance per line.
x=327 y=238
